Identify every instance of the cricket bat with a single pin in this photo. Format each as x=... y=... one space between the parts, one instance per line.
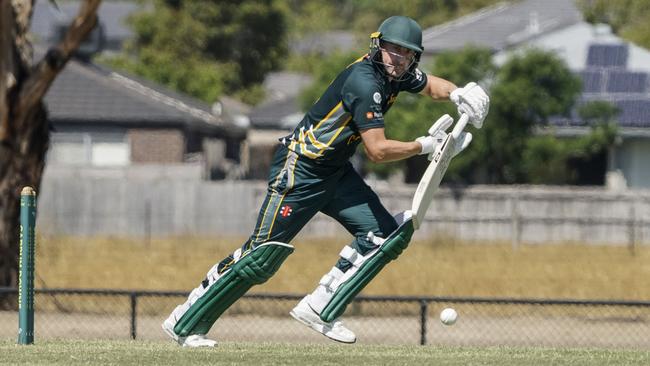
x=432 y=177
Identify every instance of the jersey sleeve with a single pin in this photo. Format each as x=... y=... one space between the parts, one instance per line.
x=415 y=83
x=364 y=102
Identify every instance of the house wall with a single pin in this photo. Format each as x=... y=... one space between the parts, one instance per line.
x=631 y=158
x=259 y=150
x=156 y=146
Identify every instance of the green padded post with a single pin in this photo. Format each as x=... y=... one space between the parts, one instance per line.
x=26 y=275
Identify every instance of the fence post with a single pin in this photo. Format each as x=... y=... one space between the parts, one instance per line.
x=423 y=322
x=515 y=220
x=147 y=222
x=134 y=304
x=26 y=270
x=632 y=229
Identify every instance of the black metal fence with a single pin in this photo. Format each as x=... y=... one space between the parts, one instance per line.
x=120 y=314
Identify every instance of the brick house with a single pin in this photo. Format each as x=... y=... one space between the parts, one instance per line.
x=103 y=118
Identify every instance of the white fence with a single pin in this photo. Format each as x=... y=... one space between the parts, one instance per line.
x=173 y=201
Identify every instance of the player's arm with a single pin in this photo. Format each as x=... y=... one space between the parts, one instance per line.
x=470 y=99
x=438 y=88
x=380 y=149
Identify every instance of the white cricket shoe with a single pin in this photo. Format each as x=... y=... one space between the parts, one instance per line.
x=334 y=330
x=194 y=340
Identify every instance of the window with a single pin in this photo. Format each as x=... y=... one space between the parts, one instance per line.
x=89 y=148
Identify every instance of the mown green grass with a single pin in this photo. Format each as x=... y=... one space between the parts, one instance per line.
x=158 y=353
x=441 y=267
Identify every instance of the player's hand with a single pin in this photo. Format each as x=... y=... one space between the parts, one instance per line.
x=436 y=135
x=473 y=101
x=463 y=141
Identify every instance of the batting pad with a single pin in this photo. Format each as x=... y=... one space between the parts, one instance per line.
x=392 y=247
x=252 y=269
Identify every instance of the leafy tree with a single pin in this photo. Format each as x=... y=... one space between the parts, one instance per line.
x=24 y=134
x=528 y=89
x=363 y=16
x=207 y=48
x=575 y=161
x=628 y=18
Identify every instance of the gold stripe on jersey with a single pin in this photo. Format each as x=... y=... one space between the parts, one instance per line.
x=337 y=133
x=327 y=117
x=276 y=198
x=290 y=183
x=303 y=145
x=314 y=141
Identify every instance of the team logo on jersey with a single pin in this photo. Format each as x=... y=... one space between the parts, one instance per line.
x=286 y=210
x=376 y=97
x=418 y=74
x=372 y=115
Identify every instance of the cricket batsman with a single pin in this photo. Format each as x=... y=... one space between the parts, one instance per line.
x=311 y=172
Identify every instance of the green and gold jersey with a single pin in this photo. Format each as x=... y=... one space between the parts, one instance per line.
x=356 y=100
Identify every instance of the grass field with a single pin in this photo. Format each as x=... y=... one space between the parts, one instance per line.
x=441 y=267
x=158 y=353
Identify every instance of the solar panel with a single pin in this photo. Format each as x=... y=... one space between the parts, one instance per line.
x=625 y=81
x=592 y=81
x=634 y=113
x=604 y=55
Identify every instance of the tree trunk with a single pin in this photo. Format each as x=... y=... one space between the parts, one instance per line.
x=24 y=133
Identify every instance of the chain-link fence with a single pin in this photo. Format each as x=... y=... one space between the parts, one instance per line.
x=107 y=314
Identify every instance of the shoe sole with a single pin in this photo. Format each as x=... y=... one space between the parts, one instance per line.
x=310 y=324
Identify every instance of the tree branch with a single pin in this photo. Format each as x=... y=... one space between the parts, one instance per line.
x=7 y=65
x=46 y=70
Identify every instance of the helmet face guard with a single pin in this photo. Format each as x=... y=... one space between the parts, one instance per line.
x=401 y=31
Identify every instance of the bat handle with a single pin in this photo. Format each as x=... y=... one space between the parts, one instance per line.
x=460 y=125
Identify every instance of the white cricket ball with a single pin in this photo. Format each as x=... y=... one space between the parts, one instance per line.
x=448 y=316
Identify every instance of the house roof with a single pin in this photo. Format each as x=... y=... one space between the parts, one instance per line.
x=502 y=25
x=91 y=94
x=281 y=109
x=611 y=69
x=283 y=114
x=284 y=84
x=606 y=78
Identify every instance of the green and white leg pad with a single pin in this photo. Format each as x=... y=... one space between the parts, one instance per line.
x=337 y=289
x=205 y=304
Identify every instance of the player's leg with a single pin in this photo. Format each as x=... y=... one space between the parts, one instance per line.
x=377 y=235
x=286 y=209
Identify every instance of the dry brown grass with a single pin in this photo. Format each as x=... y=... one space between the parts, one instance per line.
x=434 y=268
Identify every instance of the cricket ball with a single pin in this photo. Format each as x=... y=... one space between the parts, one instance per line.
x=448 y=316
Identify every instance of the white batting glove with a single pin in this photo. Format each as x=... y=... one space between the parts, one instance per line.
x=436 y=135
x=473 y=101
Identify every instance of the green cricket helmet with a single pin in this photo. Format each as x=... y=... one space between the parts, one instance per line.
x=399 y=30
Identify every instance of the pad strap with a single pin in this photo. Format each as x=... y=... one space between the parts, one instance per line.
x=354 y=257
